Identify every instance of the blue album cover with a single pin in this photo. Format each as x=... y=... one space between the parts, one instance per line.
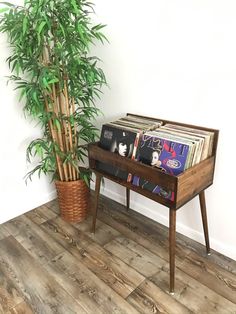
x=167 y=155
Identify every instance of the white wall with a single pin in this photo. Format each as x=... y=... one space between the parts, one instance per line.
x=168 y=59
x=15 y=134
x=177 y=60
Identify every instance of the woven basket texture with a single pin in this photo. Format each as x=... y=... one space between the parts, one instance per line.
x=73 y=199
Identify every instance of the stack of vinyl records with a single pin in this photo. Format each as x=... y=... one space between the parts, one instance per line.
x=171 y=148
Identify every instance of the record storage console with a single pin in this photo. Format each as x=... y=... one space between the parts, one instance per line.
x=190 y=183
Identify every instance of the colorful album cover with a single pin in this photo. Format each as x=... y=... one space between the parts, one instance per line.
x=118 y=141
x=168 y=156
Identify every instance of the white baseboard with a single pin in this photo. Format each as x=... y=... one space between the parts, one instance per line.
x=181 y=228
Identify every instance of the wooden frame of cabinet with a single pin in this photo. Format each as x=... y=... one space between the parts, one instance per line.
x=192 y=182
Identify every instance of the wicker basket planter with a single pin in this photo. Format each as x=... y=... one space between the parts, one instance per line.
x=73 y=197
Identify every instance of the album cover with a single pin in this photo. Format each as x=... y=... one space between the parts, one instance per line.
x=120 y=141
x=167 y=155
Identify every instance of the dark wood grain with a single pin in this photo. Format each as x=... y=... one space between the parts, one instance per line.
x=193 y=294
x=211 y=275
x=185 y=186
x=204 y=220
x=115 y=273
x=41 y=214
x=147 y=237
x=184 y=244
x=131 y=166
x=194 y=180
x=172 y=243
x=22 y=270
x=92 y=293
x=9 y=296
x=124 y=270
x=33 y=239
x=53 y=206
x=137 y=189
x=149 y=298
x=144 y=234
x=136 y=256
x=97 y=192
x=104 y=233
x=127 y=198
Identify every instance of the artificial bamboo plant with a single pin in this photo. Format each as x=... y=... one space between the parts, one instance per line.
x=57 y=77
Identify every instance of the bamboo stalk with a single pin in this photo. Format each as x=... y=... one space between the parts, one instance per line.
x=63 y=110
x=58 y=160
x=75 y=135
x=73 y=147
x=54 y=99
x=56 y=108
x=45 y=57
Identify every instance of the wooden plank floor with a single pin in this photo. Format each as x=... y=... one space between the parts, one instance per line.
x=50 y=266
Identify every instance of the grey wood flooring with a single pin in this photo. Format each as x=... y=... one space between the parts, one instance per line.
x=50 y=266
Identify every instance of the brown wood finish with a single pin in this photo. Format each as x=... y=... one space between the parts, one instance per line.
x=33 y=239
x=149 y=298
x=41 y=214
x=3 y=232
x=194 y=180
x=86 y=287
x=183 y=243
x=127 y=198
x=22 y=270
x=22 y=308
x=123 y=270
x=115 y=273
x=131 y=166
x=97 y=191
x=185 y=186
x=104 y=233
x=172 y=237
x=210 y=274
x=208 y=270
x=9 y=296
x=148 y=194
x=135 y=255
x=204 y=220
x=193 y=294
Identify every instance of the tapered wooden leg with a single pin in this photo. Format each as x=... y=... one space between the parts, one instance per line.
x=172 y=237
x=97 y=191
x=127 y=198
x=204 y=220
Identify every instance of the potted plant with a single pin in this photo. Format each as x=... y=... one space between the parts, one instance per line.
x=59 y=81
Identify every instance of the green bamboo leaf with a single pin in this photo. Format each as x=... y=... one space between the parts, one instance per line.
x=25 y=22
x=35 y=97
x=41 y=26
x=74 y=4
x=31 y=28
x=45 y=83
x=55 y=80
x=98 y=27
x=57 y=124
x=80 y=30
x=86 y=180
x=62 y=29
x=39 y=150
x=22 y=94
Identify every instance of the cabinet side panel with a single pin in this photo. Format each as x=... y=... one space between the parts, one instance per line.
x=194 y=180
